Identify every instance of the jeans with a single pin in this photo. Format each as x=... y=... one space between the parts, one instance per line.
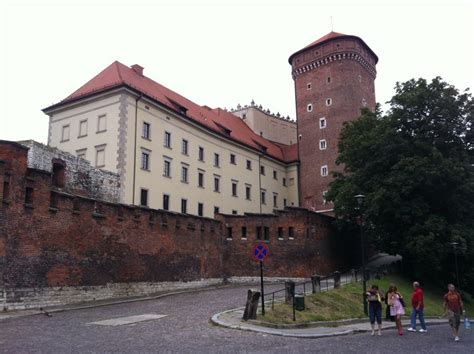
x=419 y=312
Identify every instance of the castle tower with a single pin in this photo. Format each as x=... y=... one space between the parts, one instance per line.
x=334 y=78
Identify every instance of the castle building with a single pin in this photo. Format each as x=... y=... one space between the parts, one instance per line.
x=173 y=154
x=334 y=78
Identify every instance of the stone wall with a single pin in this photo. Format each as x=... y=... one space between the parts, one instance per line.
x=81 y=177
x=52 y=239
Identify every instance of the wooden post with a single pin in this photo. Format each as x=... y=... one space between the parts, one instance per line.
x=250 y=312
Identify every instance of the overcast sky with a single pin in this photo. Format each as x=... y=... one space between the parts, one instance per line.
x=217 y=53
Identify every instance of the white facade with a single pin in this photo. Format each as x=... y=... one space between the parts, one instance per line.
x=123 y=132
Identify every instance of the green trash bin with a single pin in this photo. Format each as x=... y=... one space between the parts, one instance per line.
x=299 y=302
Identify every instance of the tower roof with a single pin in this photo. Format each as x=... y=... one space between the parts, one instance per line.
x=327 y=38
x=217 y=120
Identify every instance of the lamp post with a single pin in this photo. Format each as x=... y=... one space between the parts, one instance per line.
x=455 y=244
x=360 y=201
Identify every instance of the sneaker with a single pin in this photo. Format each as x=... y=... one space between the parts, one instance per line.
x=456 y=339
x=423 y=330
x=379 y=332
x=411 y=329
x=373 y=332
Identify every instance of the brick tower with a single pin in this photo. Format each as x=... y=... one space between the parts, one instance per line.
x=334 y=78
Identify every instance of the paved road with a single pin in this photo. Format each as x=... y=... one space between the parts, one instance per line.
x=186 y=328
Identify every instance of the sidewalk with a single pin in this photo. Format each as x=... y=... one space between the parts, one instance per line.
x=233 y=319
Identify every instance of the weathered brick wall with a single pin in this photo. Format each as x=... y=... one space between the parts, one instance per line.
x=81 y=177
x=58 y=239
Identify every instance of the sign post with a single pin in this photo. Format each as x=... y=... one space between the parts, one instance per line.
x=259 y=253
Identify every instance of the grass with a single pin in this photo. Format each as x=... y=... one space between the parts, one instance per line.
x=346 y=302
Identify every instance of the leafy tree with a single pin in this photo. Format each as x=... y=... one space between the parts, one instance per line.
x=415 y=165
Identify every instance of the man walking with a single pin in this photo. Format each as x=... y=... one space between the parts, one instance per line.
x=454 y=307
x=417 y=308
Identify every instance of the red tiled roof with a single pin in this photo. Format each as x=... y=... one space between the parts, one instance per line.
x=217 y=120
x=328 y=37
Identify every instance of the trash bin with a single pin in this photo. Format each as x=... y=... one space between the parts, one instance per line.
x=299 y=302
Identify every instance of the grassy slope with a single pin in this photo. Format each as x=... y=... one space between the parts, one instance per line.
x=346 y=302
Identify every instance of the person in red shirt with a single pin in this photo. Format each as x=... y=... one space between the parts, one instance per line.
x=454 y=307
x=417 y=308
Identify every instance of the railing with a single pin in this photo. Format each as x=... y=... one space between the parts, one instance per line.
x=316 y=284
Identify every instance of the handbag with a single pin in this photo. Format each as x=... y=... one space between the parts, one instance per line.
x=402 y=302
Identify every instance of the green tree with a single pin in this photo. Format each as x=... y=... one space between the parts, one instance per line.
x=415 y=166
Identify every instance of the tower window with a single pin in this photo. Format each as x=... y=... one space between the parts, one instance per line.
x=324 y=170
x=329 y=79
x=322 y=144
x=143 y=197
x=308 y=86
x=329 y=102
x=322 y=123
x=200 y=209
x=309 y=107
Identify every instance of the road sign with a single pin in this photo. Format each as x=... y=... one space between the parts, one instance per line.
x=260 y=252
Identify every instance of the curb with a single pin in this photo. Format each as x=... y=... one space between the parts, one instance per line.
x=287 y=332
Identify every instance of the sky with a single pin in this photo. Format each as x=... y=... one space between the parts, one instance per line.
x=215 y=53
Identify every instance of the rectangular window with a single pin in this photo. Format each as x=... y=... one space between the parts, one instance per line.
x=284 y=202
x=248 y=192
x=322 y=123
x=249 y=165
x=6 y=190
x=324 y=170
x=29 y=195
x=234 y=212
x=184 y=147
x=284 y=181
x=216 y=160
x=167 y=141
x=266 y=233
x=291 y=232
x=166 y=202
x=100 y=156
x=275 y=200
x=146 y=134
x=201 y=179
x=263 y=197
x=275 y=175
x=82 y=128
x=184 y=174
x=262 y=170
x=145 y=160
x=143 y=197
x=229 y=233
x=216 y=210
x=259 y=232
x=216 y=184
x=322 y=144
x=201 y=153
x=244 y=232
x=184 y=206
x=65 y=133
x=81 y=153
x=309 y=107
x=280 y=233
x=232 y=159
x=101 y=123
x=167 y=168
x=200 y=209
x=234 y=189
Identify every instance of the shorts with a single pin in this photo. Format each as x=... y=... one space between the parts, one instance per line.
x=454 y=319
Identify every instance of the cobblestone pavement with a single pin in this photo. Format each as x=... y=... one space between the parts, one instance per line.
x=186 y=328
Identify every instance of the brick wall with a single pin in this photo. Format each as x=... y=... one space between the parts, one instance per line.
x=52 y=238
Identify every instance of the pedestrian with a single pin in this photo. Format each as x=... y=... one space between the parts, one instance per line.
x=417 y=305
x=396 y=308
x=453 y=306
x=375 y=298
x=388 y=317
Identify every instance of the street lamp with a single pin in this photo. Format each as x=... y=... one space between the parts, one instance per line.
x=360 y=201
x=455 y=244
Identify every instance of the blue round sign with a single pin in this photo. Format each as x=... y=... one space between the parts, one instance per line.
x=260 y=252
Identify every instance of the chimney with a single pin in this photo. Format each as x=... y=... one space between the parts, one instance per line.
x=138 y=69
